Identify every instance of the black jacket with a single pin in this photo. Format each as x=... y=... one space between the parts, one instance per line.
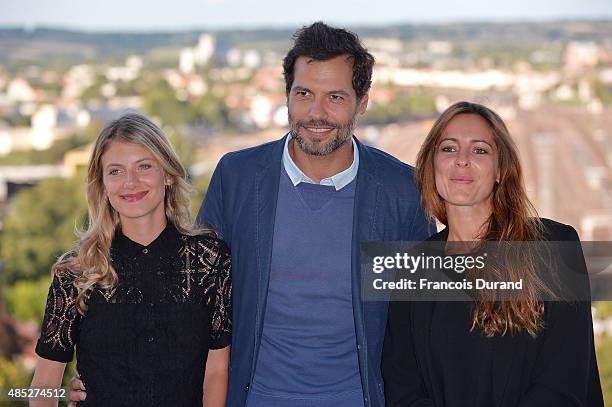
x=558 y=368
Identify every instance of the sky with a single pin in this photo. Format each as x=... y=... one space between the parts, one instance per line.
x=148 y=15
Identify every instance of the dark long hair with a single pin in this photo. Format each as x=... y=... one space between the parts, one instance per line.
x=513 y=218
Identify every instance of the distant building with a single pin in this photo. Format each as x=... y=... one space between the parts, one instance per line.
x=579 y=56
x=264 y=110
x=187 y=61
x=6 y=143
x=449 y=79
x=19 y=90
x=76 y=80
x=252 y=59
x=42 y=133
x=391 y=45
x=127 y=72
x=234 y=57
x=564 y=92
x=199 y=55
x=440 y=47
x=205 y=49
x=77 y=158
x=268 y=79
x=605 y=76
x=27 y=174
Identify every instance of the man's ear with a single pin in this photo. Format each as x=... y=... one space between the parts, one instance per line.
x=363 y=104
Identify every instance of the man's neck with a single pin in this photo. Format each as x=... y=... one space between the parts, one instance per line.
x=320 y=167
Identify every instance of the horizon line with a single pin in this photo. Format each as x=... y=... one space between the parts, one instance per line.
x=284 y=26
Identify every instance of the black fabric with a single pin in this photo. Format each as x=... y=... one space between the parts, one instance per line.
x=430 y=357
x=145 y=343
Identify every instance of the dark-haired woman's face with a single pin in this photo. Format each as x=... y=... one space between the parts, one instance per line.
x=466 y=162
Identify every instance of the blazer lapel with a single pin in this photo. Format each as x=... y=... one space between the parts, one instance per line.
x=367 y=196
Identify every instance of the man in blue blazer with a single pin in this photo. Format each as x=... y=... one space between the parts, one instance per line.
x=293 y=213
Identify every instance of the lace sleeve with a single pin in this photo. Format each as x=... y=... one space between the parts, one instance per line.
x=221 y=329
x=61 y=321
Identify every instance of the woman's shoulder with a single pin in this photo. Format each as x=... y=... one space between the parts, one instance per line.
x=65 y=269
x=552 y=231
x=556 y=231
x=206 y=240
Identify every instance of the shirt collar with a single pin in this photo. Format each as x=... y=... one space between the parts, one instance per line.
x=338 y=181
x=167 y=241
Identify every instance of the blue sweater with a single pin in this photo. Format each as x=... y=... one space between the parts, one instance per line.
x=241 y=205
x=308 y=346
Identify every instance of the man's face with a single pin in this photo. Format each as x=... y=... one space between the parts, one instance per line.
x=323 y=105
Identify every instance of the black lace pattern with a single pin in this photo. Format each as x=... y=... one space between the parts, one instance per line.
x=152 y=332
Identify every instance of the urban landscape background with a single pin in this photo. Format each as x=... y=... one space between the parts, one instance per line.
x=218 y=90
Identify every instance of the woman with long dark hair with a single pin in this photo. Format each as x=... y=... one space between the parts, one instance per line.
x=525 y=351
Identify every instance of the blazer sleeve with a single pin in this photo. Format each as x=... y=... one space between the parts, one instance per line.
x=211 y=210
x=404 y=386
x=566 y=373
x=420 y=227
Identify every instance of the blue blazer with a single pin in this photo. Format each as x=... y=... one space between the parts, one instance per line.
x=240 y=205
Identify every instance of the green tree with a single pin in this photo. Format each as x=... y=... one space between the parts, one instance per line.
x=13 y=375
x=604 y=362
x=603 y=309
x=40 y=226
x=26 y=299
x=200 y=185
x=160 y=101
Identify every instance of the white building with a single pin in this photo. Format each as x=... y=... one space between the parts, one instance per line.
x=252 y=59
x=19 y=90
x=580 y=55
x=450 y=79
x=42 y=133
x=127 y=72
x=205 y=49
x=76 y=80
x=187 y=61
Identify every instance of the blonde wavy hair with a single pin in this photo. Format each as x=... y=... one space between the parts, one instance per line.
x=90 y=261
x=513 y=218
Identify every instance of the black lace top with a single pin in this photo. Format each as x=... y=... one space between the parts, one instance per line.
x=146 y=342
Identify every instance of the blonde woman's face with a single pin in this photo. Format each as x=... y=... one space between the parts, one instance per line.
x=466 y=162
x=134 y=182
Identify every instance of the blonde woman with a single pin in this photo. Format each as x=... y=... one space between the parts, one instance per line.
x=488 y=352
x=143 y=297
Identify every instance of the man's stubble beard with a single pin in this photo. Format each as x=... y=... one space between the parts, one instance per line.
x=343 y=135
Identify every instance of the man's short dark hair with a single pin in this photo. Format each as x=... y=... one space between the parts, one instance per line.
x=322 y=42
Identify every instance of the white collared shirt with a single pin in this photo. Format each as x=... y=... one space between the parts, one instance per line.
x=338 y=181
